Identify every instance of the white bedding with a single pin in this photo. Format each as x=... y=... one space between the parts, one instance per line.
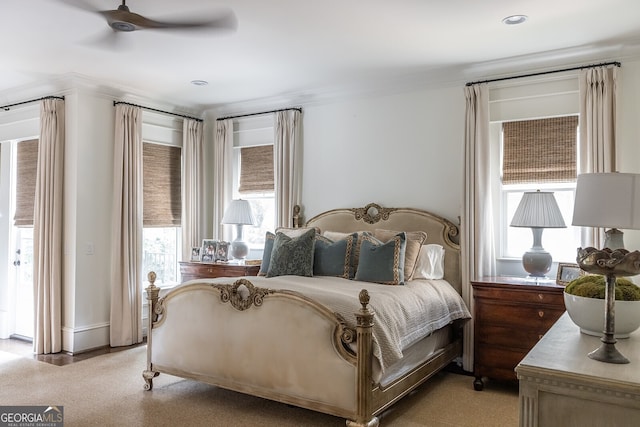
x=403 y=314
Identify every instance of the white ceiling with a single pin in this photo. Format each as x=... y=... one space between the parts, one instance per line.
x=301 y=49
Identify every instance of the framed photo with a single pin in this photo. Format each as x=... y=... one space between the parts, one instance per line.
x=195 y=253
x=222 y=251
x=567 y=273
x=208 y=250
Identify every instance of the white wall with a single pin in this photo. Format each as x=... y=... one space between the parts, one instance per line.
x=402 y=150
x=87 y=210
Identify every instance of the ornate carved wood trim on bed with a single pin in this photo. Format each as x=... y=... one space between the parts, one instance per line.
x=282 y=345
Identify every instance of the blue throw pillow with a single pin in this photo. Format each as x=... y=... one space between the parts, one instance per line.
x=266 y=254
x=334 y=258
x=382 y=262
x=292 y=256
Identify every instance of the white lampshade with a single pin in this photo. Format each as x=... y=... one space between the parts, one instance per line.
x=239 y=212
x=538 y=209
x=609 y=200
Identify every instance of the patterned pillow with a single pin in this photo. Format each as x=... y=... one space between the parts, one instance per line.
x=334 y=258
x=382 y=262
x=415 y=240
x=292 y=255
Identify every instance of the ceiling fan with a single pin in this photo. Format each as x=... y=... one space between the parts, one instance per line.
x=123 y=20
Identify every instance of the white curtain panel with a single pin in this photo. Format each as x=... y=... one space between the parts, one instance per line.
x=126 y=247
x=598 y=97
x=223 y=174
x=192 y=186
x=286 y=150
x=47 y=229
x=476 y=239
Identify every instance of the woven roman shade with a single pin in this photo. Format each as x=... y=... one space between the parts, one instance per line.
x=162 y=192
x=26 y=169
x=256 y=169
x=542 y=150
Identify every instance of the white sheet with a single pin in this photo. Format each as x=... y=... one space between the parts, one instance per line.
x=403 y=314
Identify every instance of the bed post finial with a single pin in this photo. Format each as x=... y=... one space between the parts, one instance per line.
x=153 y=292
x=364 y=342
x=296 y=220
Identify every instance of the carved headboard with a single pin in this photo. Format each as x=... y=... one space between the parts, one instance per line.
x=439 y=230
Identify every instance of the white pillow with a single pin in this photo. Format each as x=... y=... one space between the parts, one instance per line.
x=430 y=264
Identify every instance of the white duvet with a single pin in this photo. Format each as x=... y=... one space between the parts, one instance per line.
x=403 y=314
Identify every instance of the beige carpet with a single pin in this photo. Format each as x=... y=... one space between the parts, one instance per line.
x=108 y=390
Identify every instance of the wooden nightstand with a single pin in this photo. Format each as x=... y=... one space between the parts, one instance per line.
x=511 y=315
x=203 y=270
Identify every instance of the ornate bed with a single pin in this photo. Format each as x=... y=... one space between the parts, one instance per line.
x=276 y=338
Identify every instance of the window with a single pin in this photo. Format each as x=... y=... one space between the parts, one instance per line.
x=253 y=175
x=162 y=211
x=539 y=155
x=534 y=134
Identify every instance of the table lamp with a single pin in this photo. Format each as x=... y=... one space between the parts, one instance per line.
x=610 y=200
x=537 y=210
x=239 y=213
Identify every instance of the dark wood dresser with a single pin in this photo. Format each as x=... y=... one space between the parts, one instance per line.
x=511 y=315
x=203 y=270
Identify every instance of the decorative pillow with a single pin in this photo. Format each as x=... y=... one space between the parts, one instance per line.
x=292 y=255
x=339 y=235
x=382 y=262
x=415 y=240
x=430 y=263
x=296 y=232
x=266 y=253
x=334 y=258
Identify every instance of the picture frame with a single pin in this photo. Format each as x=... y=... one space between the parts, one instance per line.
x=222 y=251
x=195 y=253
x=568 y=272
x=208 y=250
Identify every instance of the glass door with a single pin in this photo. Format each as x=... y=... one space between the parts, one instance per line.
x=23 y=267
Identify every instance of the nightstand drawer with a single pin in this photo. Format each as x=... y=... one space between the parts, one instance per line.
x=542 y=296
x=503 y=336
x=518 y=317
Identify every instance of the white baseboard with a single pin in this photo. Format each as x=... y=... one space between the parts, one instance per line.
x=78 y=340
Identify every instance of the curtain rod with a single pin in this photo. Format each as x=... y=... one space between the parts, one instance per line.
x=157 y=111
x=257 y=114
x=8 y=107
x=617 y=64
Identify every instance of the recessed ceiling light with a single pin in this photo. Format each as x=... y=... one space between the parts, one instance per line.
x=515 y=19
x=199 y=82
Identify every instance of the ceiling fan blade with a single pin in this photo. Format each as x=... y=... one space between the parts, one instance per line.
x=130 y=21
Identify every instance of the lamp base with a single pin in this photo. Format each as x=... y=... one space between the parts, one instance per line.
x=537 y=262
x=239 y=249
x=614 y=239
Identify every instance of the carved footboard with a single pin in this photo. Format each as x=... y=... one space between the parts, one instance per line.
x=278 y=345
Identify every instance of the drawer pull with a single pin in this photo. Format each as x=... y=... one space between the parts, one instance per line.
x=540 y=313
x=540 y=297
x=539 y=337
x=209 y=270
